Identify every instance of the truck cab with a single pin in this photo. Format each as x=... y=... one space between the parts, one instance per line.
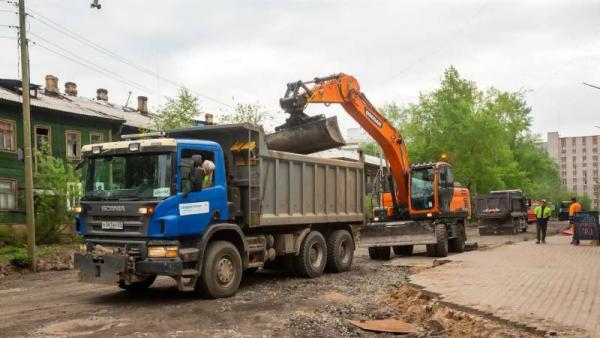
x=134 y=194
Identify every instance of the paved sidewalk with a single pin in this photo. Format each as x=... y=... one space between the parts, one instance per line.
x=549 y=287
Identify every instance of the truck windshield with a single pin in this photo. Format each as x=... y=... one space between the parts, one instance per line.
x=421 y=193
x=128 y=177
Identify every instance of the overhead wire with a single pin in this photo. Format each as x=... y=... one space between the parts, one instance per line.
x=86 y=63
x=83 y=40
x=456 y=32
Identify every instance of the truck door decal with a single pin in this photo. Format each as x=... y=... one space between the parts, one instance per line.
x=194 y=208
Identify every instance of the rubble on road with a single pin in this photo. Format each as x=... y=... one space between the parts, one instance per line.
x=54 y=261
x=435 y=319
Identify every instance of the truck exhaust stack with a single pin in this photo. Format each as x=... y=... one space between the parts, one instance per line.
x=315 y=135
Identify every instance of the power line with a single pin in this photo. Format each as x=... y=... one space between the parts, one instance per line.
x=65 y=31
x=89 y=64
x=456 y=32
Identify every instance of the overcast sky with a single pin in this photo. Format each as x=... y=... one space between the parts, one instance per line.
x=246 y=51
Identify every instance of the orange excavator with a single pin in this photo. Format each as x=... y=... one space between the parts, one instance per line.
x=424 y=205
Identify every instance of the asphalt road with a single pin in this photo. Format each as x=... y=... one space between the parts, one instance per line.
x=268 y=303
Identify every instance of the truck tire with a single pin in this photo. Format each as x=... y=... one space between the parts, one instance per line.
x=138 y=286
x=441 y=235
x=221 y=271
x=457 y=244
x=340 y=251
x=431 y=250
x=382 y=253
x=312 y=258
x=403 y=250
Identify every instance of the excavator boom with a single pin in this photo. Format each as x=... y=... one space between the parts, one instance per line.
x=344 y=90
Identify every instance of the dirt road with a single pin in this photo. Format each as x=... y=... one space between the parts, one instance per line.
x=268 y=304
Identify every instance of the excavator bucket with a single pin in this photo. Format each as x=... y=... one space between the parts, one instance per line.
x=317 y=134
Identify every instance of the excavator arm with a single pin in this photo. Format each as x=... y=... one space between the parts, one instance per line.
x=345 y=90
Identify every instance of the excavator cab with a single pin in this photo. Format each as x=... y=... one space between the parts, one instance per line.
x=431 y=193
x=431 y=189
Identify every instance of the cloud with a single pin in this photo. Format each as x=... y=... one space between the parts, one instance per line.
x=246 y=51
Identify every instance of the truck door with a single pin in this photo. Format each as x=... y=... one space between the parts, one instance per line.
x=197 y=209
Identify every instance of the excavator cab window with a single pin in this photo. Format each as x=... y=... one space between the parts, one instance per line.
x=422 y=188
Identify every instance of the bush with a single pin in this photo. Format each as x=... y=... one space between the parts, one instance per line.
x=8 y=236
x=20 y=259
x=56 y=180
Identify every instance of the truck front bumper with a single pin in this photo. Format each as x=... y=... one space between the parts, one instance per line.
x=110 y=269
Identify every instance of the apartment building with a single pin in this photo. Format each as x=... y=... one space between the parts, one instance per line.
x=577 y=159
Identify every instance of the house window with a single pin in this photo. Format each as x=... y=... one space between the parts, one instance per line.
x=96 y=138
x=73 y=144
x=595 y=140
x=42 y=136
x=8 y=194
x=8 y=135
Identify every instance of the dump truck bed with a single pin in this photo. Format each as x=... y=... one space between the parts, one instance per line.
x=280 y=188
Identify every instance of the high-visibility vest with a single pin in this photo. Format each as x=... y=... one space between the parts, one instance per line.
x=542 y=212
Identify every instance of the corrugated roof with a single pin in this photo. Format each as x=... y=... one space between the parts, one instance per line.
x=83 y=106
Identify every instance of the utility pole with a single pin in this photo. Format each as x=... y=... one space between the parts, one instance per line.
x=29 y=209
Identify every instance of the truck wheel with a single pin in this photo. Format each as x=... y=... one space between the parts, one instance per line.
x=221 y=271
x=441 y=235
x=138 y=286
x=312 y=258
x=457 y=244
x=380 y=253
x=431 y=250
x=340 y=251
x=403 y=250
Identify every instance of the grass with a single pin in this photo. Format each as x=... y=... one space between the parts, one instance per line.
x=19 y=253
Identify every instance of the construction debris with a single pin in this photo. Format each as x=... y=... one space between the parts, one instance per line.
x=385 y=325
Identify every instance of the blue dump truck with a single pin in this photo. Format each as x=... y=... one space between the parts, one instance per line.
x=149 y=209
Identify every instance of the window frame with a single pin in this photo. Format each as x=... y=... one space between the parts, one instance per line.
x=96 y=133
x=35 y=141
x=15 y=190
x=14 y=136
x=67 y=132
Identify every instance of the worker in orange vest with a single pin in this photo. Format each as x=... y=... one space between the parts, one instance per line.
x=575 y=207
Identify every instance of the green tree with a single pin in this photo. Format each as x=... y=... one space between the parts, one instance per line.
x=57 y=183
x=178 y=112
x=484 y=133
x=252 y=113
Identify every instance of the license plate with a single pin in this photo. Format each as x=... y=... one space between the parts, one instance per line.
x=112 y=225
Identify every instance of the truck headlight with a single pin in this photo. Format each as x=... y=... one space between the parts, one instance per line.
x=146 y=210
x=83 y=248
x=163 y=251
